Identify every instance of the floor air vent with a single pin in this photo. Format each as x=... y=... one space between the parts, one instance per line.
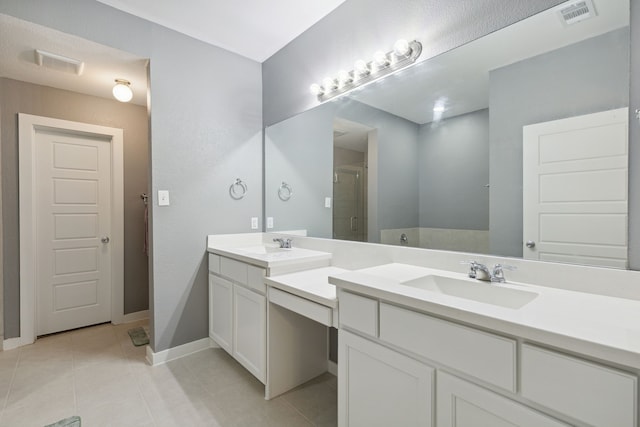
x=577 y=11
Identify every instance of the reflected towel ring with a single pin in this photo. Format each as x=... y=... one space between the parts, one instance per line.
x=285 y=192
x=238 y=189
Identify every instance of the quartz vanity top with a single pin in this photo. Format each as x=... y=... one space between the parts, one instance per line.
x=270 y=256
x=310 y=284
x=595 y=325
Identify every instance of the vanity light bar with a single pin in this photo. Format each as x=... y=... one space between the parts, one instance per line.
x=404 y=53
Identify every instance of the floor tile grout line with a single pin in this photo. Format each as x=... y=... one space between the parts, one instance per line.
x=297 y=410
x=73 y=375
x=13 y=377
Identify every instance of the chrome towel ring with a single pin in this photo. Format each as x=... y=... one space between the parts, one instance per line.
x=238 y=189
x=285 y=192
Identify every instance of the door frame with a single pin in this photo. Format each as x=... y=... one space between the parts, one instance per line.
x=28 y=125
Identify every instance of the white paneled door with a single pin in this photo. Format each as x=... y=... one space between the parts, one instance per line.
x=575 y=189
x=73 y=230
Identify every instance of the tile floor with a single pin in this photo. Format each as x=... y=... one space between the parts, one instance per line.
x=98 y=374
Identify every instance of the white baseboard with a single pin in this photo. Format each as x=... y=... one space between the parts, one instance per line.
x=12 y=343
x=173 y=353
x=332 y=368
x=134 y=317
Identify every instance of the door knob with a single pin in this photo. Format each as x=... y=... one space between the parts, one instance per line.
x=105 y=239
x=530 y=244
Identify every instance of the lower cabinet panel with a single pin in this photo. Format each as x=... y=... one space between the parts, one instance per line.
x=250 y=330
x=462 y=404
x=379 y=387
x=220 y=312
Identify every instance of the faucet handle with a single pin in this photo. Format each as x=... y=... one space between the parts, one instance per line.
x=473 y=268
x=284 y=243
x=497 y=272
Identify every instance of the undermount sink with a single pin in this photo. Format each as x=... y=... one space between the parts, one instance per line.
x=264 y=249
x=494 y=294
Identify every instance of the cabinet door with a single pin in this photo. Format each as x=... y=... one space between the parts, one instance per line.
x=249 y=330
x=379 y=387
x=462 y=404
x=220 y=311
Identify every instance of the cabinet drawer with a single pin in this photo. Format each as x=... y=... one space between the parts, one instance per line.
x=485 y=356
x=255 y=279
x=358 y=313
x=234 y=270
x=314 y=311
x=214 y=263
x=594 y=394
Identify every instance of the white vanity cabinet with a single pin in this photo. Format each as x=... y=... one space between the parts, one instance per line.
x=464 y=404
x=389 y=356
x=237 y=312
x=381 y=387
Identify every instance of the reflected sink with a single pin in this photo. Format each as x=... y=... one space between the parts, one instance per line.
x=494 y=294
x=263 y=250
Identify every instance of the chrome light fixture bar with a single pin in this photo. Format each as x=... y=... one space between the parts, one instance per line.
x=404 y=53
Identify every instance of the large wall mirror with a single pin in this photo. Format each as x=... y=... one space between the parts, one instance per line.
x=445 y=154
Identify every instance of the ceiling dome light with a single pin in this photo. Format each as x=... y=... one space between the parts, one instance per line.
x=401 y=48
x=122 y=90
x=316 y=89
x=439 y=109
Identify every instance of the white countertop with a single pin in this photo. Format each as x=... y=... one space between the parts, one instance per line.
x=274 y=258
x=310 y=284
x=598 y=326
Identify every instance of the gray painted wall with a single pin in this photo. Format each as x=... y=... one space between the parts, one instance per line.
x=583 y=78
x=453 y=170
x=206 y=124
x=20 y=97
x=634 y=141
x=358 y=28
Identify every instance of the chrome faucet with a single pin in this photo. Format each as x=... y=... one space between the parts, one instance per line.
x=497 y=272
x=478 y=271
x=284 y=243
x=482 y=272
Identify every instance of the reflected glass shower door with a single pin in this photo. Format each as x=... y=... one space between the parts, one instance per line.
x=348 y=208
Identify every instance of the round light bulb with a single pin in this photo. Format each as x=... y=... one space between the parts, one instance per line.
x=122 y=91
x=328 y=84
x=316 y=89
x=361 y=67
x=401 y=48
x=380 y=58
x=438 y=109
x=343 y=77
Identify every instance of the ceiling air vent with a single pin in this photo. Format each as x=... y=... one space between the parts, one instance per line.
x=577 y=11
x=58 y=62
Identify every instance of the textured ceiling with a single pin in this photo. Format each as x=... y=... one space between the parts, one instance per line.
x=103 y=64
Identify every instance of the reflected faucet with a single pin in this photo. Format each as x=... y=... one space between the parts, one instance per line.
x=284 y=243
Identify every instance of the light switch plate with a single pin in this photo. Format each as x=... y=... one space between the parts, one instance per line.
x=327 y=202
x=269 y=222
x=254 y=223
x=163 y=198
